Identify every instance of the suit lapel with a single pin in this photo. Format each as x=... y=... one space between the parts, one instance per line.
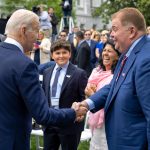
x=68 y=77
x=47 y=84
x=123 y=74
x=115 y=86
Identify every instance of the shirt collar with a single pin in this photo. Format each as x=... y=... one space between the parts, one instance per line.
x=89 y=42
x=14 y=42
x=132 y=46
x=63 y=67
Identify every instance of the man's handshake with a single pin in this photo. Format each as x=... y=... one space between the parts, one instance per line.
x=81 y=109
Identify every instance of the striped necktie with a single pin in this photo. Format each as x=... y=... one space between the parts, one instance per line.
x=121 y=67
x=54 y=85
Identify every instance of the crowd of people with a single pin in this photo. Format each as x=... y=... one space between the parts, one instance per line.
x=105 y=72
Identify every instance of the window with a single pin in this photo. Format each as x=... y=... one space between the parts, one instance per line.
x=80 y=3
x=95 y=3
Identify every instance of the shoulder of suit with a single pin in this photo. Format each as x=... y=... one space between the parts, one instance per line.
x=79 y=69
x=49 y=68
x=72 y=66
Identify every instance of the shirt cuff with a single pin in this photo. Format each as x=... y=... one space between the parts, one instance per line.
x=90 y=103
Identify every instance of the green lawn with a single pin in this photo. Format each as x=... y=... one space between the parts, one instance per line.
x=82 y=146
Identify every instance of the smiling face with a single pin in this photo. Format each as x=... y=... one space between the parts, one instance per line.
x=109 y=56
x=61 y=56
x=121 y=35
x=87 y=35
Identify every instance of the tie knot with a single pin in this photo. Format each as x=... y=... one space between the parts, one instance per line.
x=58 y=69
x=125 y=57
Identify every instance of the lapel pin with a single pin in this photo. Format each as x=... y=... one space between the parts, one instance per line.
x=123 y=74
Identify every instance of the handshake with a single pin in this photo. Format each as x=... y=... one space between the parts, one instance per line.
x=81 y=109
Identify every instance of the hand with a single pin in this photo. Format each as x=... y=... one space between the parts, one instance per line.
x=90 y=89
x=80 y=111
x=93 y=87
x=84 y=104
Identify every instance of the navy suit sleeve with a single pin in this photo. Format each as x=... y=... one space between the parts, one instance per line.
x=100 y=97
x=82 y=84
x=84 y=56
x=142 y=83
x=36 y=103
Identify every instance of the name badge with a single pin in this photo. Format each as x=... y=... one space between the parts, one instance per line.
x=55 y=102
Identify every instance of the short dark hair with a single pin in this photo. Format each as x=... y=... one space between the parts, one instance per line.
x=64 y=31
x=60 y=44
x=80 y=35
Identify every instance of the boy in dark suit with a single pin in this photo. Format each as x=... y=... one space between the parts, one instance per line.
x=68 y=89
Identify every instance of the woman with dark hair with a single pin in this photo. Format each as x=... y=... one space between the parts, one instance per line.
x=99 y=77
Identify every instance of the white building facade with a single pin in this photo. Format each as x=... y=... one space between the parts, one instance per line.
x=83 y=12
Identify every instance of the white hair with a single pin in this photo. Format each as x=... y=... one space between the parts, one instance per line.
x=19 y=18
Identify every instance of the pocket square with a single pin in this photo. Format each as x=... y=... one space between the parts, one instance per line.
x=68 y=76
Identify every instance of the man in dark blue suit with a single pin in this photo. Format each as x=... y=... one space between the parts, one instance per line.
x=82 y=59
x=70 y=88
x=127 y=99
x=92 y=45
x=21 y=95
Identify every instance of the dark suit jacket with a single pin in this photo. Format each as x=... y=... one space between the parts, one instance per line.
x=22 y=97
x=71 y=37
x=127 y=109
x=72 y=90
x=73 y=48
x=82 y=59
x=68 y=7
x=54 y=22
x=93 y=58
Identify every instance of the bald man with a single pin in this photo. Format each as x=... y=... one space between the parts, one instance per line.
x=21 y=96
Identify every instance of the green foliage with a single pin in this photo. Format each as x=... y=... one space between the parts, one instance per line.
x=28 y=4
x=111 y=6
x=11 y=6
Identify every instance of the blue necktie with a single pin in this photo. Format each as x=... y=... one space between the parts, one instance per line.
x=54 y=85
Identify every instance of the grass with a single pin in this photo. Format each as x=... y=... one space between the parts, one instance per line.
x=82 y=145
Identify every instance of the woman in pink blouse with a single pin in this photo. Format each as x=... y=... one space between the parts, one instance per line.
x=101 y=76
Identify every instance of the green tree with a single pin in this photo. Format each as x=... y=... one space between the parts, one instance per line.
x=111 y=6
x=15 y=4
x=10 y=6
